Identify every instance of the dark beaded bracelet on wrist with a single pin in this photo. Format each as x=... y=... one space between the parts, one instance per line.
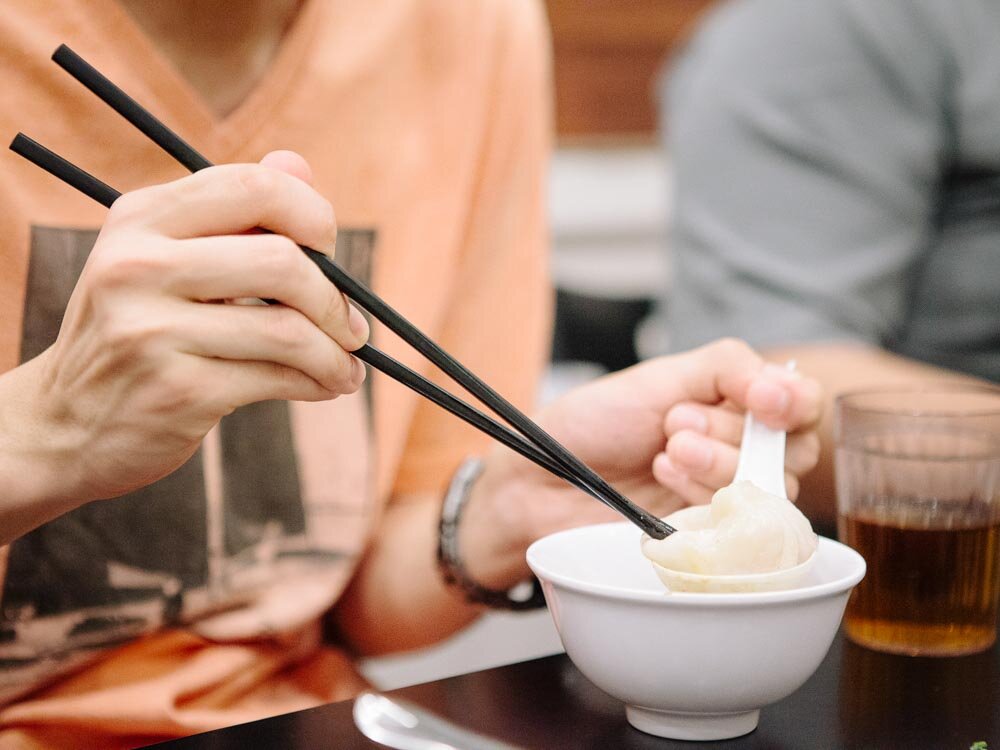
x=450 y=561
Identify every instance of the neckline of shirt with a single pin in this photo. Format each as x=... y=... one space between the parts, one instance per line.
x=172 y=98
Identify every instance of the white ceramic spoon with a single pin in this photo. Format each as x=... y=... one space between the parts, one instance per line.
x=762 y=462
x=400 y=724
x=762 y=457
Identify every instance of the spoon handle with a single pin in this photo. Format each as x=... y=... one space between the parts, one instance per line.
x=402 y=725
x=762 y=457
x=762 y=454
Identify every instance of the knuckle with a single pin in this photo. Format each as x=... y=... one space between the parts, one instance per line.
x=297 y=386
x=284 y=380
x=206 y=184
x=334 y=314
x=114 y=270
x=128 y=207
x=129 y=334
x=258 y=184
x=286 y=327
x=292 y=385
x=732 y=347
x=339 y=373
x=278 y=256
x=176 y=391
x=679 y=444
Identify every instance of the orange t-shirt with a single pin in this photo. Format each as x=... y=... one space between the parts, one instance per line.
x=196 y=602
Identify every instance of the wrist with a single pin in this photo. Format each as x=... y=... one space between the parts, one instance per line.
x=472 y=553
x=492 y=537
x=35 y=469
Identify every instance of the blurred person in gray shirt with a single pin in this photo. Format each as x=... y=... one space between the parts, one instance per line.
x=838 y=190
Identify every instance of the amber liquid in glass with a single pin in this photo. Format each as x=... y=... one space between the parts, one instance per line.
x=933 y=579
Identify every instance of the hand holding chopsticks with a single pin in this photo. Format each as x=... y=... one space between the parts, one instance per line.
x=532 y=442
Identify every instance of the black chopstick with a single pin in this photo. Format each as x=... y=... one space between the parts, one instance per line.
x=190 y=158
x=184 y=153
x=104 y=194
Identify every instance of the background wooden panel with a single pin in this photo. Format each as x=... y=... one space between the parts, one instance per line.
x=607 y=56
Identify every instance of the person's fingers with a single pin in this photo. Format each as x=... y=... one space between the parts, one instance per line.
x=230 y=199
x=718 y=422
x=727 y=371
x=718 y=371
x=801 y=453
x=268 y=266
x=783 y=399
x=721 y=423
x=276 y=334
x=792 y=486
x=695 y=493
x=230 y=384
x=289 y=162
x=676 y=480
x=709 y=375
x=730 y=370
x=696 y=474
x=707 y=461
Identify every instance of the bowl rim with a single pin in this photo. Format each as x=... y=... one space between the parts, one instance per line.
x=736 y=599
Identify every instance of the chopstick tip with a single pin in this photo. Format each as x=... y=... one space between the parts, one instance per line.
x=61 y=51
x=658 y=528
x=19 y=142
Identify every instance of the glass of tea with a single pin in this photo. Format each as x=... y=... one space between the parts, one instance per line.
x=918 y=495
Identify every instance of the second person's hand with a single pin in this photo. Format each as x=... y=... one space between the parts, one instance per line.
x=665 y=433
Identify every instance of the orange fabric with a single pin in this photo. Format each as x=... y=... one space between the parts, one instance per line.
x=425 y=120
x=176 y=683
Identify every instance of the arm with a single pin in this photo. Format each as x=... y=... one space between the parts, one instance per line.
x=397 y=600
x=808 y=139
x=147 y=361
x=618 y=425
x=499 y=325
x=841 y=368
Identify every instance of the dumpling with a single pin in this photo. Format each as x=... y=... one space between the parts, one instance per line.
x=744 y=530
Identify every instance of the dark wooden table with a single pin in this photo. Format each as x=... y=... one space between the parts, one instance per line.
x=857 y=699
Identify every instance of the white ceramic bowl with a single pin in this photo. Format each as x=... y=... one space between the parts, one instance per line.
x=690 y=666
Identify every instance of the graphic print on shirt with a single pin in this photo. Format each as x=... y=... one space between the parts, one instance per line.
x=172 y=552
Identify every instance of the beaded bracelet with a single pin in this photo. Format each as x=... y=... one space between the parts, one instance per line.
x=450 y=561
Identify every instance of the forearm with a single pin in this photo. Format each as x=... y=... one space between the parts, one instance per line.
x=840 y=368
x=398 y=599
x=33 y=476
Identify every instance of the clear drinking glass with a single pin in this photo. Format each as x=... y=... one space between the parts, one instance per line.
x=918 y=495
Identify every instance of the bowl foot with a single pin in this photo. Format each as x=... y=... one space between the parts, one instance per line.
x=691 y=726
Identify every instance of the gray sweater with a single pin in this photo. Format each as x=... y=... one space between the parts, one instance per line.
x=838 y=177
